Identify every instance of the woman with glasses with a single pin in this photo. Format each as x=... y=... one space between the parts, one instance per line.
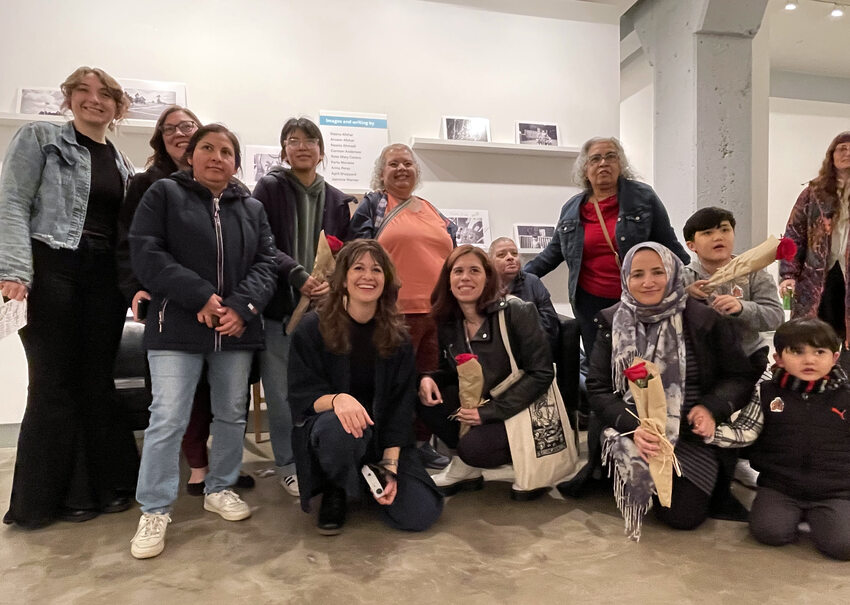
x=819 y=224
x=299 y=204
x=598 y=225
x=418 y=239
x=61 y=190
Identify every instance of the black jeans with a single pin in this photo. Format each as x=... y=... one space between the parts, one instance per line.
x=484 y=446
x=585 y=308
x=75 y=447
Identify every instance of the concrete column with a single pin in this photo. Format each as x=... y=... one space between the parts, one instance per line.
x=701 y=54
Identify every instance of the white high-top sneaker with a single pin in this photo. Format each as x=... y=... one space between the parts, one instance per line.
x=458 y=476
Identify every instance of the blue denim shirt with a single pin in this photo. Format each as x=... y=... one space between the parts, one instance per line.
x=642 y=218
x=44 y=194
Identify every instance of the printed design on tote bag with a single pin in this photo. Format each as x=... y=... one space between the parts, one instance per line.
x=546 y=427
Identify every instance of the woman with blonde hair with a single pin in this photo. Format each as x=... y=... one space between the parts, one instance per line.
x=61 y=191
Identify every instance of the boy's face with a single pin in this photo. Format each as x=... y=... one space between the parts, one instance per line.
x=806 y=362
x=714 y=245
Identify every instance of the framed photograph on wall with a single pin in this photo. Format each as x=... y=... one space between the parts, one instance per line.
x=456 y=128
x=39 y=101
x=149 y=97
x=537 y=133
x=257 y=160
x=531 y=238
x=473 y=226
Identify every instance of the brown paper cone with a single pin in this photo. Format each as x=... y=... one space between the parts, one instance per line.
x=750 y=261
x=322 y=267
x=470 y=380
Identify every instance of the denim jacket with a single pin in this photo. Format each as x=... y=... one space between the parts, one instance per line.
x=44 y=192
x=642 y=218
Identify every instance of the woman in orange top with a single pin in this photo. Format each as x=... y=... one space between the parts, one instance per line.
x=418 y=239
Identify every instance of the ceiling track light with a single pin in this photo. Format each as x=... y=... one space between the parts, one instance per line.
x=790 y=6
x=837 y=11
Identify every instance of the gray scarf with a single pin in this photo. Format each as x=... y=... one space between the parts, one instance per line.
x=653 y=332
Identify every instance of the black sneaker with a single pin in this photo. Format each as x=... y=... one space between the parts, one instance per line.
x=431 y=458
x=332 y=512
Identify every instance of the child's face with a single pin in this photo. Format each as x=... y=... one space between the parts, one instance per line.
x=714 y=245
x=806 y=362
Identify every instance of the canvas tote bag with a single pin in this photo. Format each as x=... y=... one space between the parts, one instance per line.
x=542 y=442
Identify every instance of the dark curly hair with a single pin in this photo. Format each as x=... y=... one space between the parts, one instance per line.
x=334 y=321
x=160 y=155
x=825 y=184
x=444 y=305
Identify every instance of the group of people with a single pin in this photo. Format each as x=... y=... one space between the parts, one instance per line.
x=368 y=379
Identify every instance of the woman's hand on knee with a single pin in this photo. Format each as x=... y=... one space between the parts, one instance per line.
x=13 y=290
x=390 y=490
x=469 y=416
x=352 y=415
x=648 y=444
x=429 y=392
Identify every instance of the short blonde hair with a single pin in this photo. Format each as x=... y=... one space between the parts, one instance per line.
x=72 y=82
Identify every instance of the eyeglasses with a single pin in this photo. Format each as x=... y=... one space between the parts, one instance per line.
x=301 y=142
x=843 y=148
x=610 y=157
x=185 y=127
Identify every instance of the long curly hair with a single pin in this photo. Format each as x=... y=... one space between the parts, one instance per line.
x=444 y=306
x=825 y=184
x=334 y=321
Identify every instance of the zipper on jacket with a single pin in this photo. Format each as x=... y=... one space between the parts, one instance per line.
x=219 y=243
x=161 y=314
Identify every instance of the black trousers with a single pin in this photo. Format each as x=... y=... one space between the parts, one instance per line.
x=75 y=447
x=585 y=308
x=340 y=455
x=831 y=308
x=484 y=446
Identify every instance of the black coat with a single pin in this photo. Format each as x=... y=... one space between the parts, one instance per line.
x=278 y=196
x=726 y=376
x=174 y=252
x=530 y=348
x=529 y=288
x=314 y=371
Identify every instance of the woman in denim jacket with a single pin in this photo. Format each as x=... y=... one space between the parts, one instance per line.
x=61 y=190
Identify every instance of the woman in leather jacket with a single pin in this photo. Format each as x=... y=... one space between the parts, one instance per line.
x=466 y=308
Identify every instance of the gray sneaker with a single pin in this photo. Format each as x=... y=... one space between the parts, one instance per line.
x=149 y=540
x=227 y=504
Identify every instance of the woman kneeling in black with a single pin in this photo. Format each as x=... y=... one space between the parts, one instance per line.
x=352 y=389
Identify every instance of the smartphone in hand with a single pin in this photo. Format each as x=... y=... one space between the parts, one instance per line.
x=142 y=308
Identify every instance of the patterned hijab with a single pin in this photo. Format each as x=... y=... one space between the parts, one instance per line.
x=653 y=332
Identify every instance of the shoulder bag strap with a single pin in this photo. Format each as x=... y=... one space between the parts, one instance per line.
x=605 y=231
x=393 y=213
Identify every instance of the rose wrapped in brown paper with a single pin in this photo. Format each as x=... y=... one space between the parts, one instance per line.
x=470 y=382
x=752 y=260
x=651 y=403
x=323 y=266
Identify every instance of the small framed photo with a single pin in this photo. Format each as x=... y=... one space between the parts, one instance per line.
x=39 y=101
x=148 y=98
x=537 y=133
x=531 y=238
x=457 y=128
x=473 y=226
x=258 y=160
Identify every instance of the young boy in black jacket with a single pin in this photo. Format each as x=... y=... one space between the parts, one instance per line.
x=799 y=424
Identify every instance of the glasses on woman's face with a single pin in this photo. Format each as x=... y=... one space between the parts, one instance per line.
x=842 y=149
x=295 y=143
x=609 y=157
x=185 y=127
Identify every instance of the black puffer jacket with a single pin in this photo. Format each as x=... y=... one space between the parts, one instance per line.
x=530 y=348
x=183 y=255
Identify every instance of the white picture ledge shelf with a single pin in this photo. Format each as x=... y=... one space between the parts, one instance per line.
x=422 y=144
x=128 y=126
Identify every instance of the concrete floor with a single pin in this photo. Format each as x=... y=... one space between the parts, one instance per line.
x=485 y=549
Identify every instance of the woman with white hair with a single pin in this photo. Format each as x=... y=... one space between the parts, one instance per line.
x=612 y=213
x=418 y=239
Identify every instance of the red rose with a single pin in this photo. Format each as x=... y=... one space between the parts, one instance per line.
x=334 y=243
x=464 y=357
x=636 y=372
x=786 y=250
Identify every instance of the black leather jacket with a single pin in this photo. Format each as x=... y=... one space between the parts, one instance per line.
x=530 y=348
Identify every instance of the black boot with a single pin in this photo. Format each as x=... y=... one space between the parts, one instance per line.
x=332 y=511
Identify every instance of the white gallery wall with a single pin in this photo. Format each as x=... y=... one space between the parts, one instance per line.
x=251 y=64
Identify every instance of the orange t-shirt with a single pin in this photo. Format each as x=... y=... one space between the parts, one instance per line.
x=418 y=244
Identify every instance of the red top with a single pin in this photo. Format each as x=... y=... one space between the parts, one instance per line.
x=599 y=274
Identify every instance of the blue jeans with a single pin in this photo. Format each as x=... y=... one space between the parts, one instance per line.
x=274 y=362
x=174 y=376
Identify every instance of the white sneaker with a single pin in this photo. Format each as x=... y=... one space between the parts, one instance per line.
x=290 y=484
x=458 y=476
x=227 y=504
x=745 y=474
x=149 y=540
